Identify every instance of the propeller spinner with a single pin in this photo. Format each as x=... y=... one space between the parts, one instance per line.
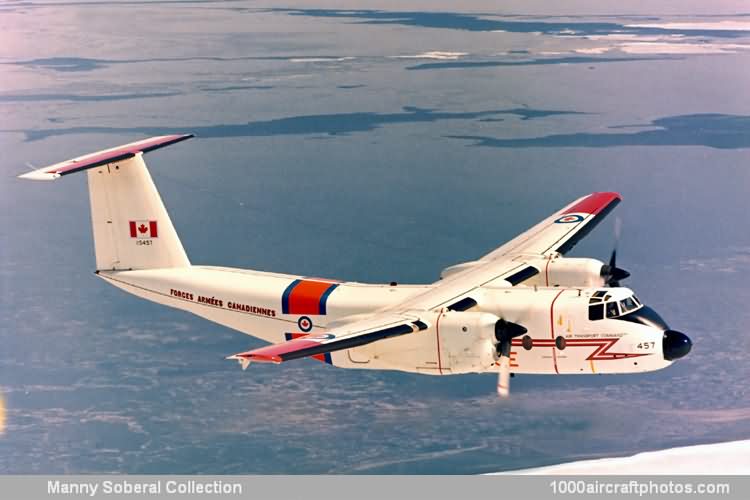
x=611 y=273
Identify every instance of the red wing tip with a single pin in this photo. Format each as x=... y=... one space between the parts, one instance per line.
x=182 y=136
x=605 y=194
x=263 y=358
x=258 y=358
x=594 y=203
x=613 y=194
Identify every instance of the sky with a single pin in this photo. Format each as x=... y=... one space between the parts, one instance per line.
x=374 y=142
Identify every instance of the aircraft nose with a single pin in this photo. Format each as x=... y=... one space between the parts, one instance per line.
x=675 y=345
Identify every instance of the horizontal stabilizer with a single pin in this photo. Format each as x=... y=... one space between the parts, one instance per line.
x=92 y=160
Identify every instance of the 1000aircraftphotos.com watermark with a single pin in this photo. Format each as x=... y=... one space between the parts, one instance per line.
x=141 y=488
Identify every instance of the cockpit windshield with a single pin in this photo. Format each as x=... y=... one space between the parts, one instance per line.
x=602 y=305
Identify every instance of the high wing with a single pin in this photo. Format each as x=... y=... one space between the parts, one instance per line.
x=348 y=335
x=506 y=266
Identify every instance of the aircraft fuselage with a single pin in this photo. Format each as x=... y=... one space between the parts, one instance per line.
x=561 y=339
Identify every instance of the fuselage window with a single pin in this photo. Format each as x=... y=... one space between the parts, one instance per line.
x=560 y=342
x=612 y=311
x=527 y=342
x=596 y=312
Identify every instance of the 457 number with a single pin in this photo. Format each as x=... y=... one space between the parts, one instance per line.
x=646 y=345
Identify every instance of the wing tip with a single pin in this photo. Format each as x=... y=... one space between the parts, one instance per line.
x=612 y=194
x=181 y=137
x=246 y=357
x=594 y=203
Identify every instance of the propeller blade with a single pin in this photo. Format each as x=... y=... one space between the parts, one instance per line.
x=612 y=274
x=503 y=377
x=619 y=274
x=505 y=331
x=618 y=229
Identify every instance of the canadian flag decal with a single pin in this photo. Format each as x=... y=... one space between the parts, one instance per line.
x=143 y=229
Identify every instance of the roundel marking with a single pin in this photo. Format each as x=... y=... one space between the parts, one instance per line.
x=569 y=219
x=305 y=324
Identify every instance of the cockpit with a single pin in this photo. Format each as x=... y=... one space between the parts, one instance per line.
x=603 y=304
x=621 y=304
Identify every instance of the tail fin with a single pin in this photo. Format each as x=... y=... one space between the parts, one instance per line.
x=132 y=229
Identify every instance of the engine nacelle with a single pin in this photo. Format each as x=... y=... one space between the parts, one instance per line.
x=567 y=272
x=466 y=341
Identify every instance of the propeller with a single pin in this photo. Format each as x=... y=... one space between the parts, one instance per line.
x=505 y=331
x=610 y=272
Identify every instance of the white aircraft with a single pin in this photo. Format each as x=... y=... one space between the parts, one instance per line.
x=522 y=308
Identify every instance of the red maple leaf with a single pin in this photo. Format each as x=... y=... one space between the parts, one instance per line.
x=142 y=228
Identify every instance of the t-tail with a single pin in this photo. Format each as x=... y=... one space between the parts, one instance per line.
x=132 y=229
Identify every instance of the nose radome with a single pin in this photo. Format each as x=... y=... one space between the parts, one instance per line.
x=675 y=345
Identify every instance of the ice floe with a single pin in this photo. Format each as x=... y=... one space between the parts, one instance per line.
x=730 y=458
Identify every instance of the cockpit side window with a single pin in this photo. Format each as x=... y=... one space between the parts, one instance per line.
x=612 y=311
x=596 y=312
x=627 y=305
x=602 y=305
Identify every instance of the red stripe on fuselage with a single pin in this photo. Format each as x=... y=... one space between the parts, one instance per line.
x=601 y=353
x=305 y=297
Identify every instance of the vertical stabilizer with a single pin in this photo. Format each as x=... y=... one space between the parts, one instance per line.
x=132 y=229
